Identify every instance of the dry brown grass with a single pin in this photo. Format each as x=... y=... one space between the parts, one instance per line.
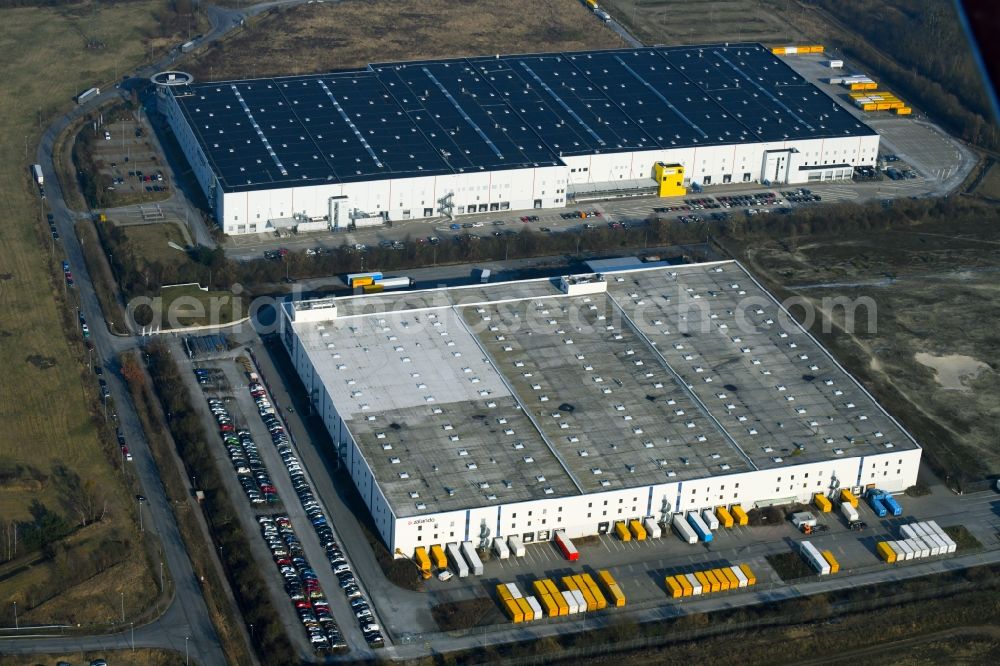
x=706 y=21
x=139 y=657
x=331 y=36
x=45 y=410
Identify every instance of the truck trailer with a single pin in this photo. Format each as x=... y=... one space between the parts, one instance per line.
x=683 y=529
x=566 y=546
x=699 y=526
x=395 y=283
x=87 y=95
x=850 y=513
x=36 y=172
x=475 y=564
x=516 y=547
x=457 y=561
x=500 y=548
x=892 y=505
x=815 y=558
x=710 y=519
x=652 y=529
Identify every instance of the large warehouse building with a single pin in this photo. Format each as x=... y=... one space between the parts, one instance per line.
x=524 y=407
x=424 y=139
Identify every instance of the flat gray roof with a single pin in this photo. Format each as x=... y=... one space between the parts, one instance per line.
x=505 y=392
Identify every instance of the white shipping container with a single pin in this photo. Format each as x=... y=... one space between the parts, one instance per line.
x=708 y=515
x=652 y=528
x=457 y=561
x=514 y=592
x=742 y=577
x=834 y=64
x=571 y=602
x=896 y=548
x=694 y=583
x=516 y=546
x=815 y=558
x=919 y=545
x=906 y=548
x=907 y=531
x=683 y=529
x=940 y=547
x=536 y=607
x=791 y=50
x=500 y=548
x=581 y=601
x=475 y=564
x=850 y=513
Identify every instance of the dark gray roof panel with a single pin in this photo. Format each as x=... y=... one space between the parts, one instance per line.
x=435 y=117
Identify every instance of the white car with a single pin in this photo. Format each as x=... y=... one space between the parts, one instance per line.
x=445 y=575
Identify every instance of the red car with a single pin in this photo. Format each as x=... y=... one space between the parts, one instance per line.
x=226 y=427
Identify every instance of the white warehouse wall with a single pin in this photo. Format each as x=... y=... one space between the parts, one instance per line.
x=584 y=515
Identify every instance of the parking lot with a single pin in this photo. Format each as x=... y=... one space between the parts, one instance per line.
x=130 y=159
x=298 y=555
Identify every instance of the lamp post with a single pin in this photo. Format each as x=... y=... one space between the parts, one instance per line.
x=123 y=606
x=16 y=627
x=187 y=660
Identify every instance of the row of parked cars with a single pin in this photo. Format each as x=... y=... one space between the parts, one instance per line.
x=749 y=199
x=301 y=583
x=314 y=511
x=801 y=195
x=245 y=457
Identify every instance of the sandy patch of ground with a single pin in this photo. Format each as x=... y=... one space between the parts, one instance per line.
x=952 y=371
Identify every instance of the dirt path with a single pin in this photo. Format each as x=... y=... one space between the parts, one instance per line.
x=852 y=656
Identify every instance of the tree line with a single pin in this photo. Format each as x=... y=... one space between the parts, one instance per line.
x=936 y=70
x=137 y=275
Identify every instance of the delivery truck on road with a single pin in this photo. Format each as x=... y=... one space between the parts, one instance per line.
x=36 y=172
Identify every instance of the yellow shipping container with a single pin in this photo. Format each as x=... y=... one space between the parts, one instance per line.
x=514 y=611
x=882 y=106
x=751 y=578
x=834 y=564
x=557 y=597
x=685 y=585
x=706 y=583
x=674 y=588
x=886 y=552
x=569 y=583
x=868 y=107
x=822 y=503
x=372 y=289
x=622 y=532
x=638 y=531
x=602 y=603
x=539 y=588
x=549 y=604
x=725 y=518
x=713 y=580
x=526 y=610
x=585 y=591
x=503 y=592
x=778 y=50
x=847 y=496
x=361 y=281
x=904 y=111
x=739 y=514
x=438 y=556
x=870 y=86
x=420 y=557
x=857 y=86
x=734 y=582
x=617 y=596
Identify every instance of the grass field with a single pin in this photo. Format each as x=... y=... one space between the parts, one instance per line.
x=683 y=22
x=932 y=358
x=139 y=657
x=42 y=401
x=188 y=305
x=329 y=36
